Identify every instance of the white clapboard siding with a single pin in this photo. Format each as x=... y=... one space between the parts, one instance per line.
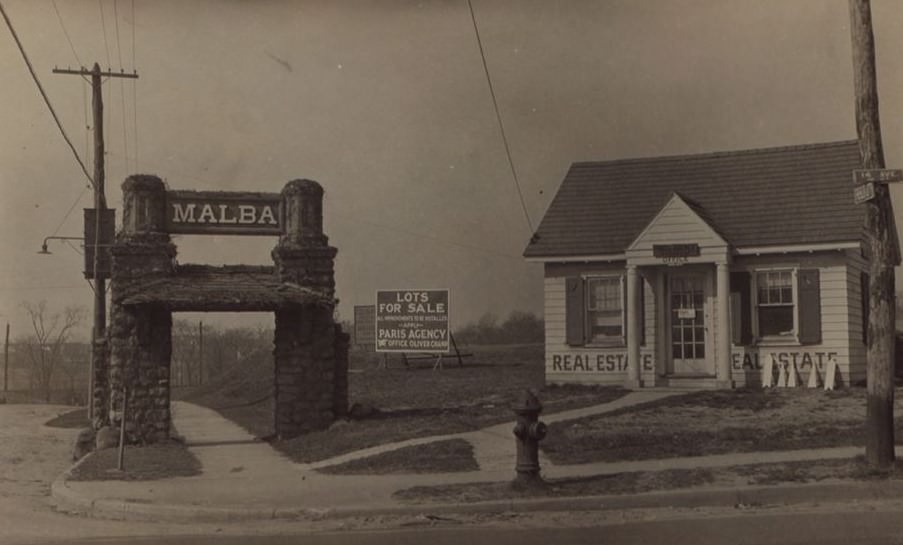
x=676 y=223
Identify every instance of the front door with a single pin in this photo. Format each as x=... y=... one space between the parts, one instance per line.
x=688 y=324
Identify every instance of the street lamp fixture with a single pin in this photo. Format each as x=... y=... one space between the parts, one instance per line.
x=45 y=251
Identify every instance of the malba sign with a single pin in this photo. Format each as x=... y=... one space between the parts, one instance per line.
x=223 y=213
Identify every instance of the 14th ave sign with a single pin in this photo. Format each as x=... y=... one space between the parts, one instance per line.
x=222 y=213
x=880 y=176
x=864 y=181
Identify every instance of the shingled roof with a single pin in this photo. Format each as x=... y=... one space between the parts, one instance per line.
x=753 y=198
x=228 y=288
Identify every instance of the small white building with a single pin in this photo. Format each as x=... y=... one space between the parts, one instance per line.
x=706 y=271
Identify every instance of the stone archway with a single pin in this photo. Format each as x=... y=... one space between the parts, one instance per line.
x=147 y=286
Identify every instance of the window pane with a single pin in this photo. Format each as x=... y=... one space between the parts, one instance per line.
x=603 y=315
x=604 y=294
x=776 y=320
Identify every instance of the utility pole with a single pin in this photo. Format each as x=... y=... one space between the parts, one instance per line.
x=200 y=353
x=6 y=363
x=98 y=333
x=881 y=243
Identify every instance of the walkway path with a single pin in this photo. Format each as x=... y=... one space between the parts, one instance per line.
x=494 y=447
x=245 y=478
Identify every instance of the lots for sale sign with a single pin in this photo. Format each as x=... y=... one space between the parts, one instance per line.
x=412 y=321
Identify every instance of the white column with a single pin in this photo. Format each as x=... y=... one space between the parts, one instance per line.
x=723 y=328
x=633 y=325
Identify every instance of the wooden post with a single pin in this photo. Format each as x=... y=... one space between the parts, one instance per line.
x=120 y=465
x=6 y=362
x=457 y=352
x=200 y=353
x=98 y=332
x=881 y=243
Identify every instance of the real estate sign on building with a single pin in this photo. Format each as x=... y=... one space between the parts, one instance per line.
x=412 y=321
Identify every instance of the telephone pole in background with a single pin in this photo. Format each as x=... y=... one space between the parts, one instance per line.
x=882 y=246
x=200 y=353
x=98 y=334
x=6 y=363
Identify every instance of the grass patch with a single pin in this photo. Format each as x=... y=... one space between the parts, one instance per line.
x=714 y=422
x=71 y=420
x=145 y=463
x=620 y=483
x=639 y=482
x=409 y=402
x=452 y=455
x=413 y=404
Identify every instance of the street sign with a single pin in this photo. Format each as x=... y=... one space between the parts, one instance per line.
x=863 y=193
x=365 y=325
x=412 y=321
x=107 y=230
x=878 y=175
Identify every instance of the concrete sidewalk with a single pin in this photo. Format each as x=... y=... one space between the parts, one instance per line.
x=243 y=478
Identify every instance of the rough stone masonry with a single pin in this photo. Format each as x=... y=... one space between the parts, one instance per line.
x=147 y=286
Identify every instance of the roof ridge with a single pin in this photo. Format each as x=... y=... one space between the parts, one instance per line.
x=713 y=154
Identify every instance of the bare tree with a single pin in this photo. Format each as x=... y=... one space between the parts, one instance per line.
x=45 y=346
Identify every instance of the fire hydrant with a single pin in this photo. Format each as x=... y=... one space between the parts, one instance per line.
x=529 y=432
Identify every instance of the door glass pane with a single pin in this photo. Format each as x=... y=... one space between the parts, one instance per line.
x=687 y=333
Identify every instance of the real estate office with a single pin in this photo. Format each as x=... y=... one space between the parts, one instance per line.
x=703 y=270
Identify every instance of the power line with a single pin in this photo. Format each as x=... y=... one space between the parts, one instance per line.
x=125 y=137
x=68 y=39
x=498 y=116
x=103 y=25
x=134 y=86
x=429 y=237
x=71 y=208
x=34 y=76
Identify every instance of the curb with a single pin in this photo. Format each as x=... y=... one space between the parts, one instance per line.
x=748 y=497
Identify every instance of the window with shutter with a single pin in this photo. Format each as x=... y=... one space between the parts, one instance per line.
x=775 y=303
x=604 y=310
x=788 y=305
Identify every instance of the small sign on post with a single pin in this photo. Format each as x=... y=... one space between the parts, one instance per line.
x=365 y=326
x=863 y=193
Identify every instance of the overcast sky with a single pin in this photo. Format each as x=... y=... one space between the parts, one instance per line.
x=386 y=104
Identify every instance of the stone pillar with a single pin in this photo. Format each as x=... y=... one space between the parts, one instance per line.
x=305 y=361
x=633 y=324
x=303 y=255
x=139 y=335
x=142 y=349
x=723 y=327
x=311 y=352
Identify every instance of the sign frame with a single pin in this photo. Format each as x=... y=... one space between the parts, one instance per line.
x=222 y=207
x=878 y=175
x=404 y=307
x=365 y=325
x=676 y=250
x=863 y=193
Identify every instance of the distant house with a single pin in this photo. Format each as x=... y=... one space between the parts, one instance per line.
x=714 y=270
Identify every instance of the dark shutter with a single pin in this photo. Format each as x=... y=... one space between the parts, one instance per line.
x=864 y=297
x=575 y=317
x=741 y=313
x=809 y=306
